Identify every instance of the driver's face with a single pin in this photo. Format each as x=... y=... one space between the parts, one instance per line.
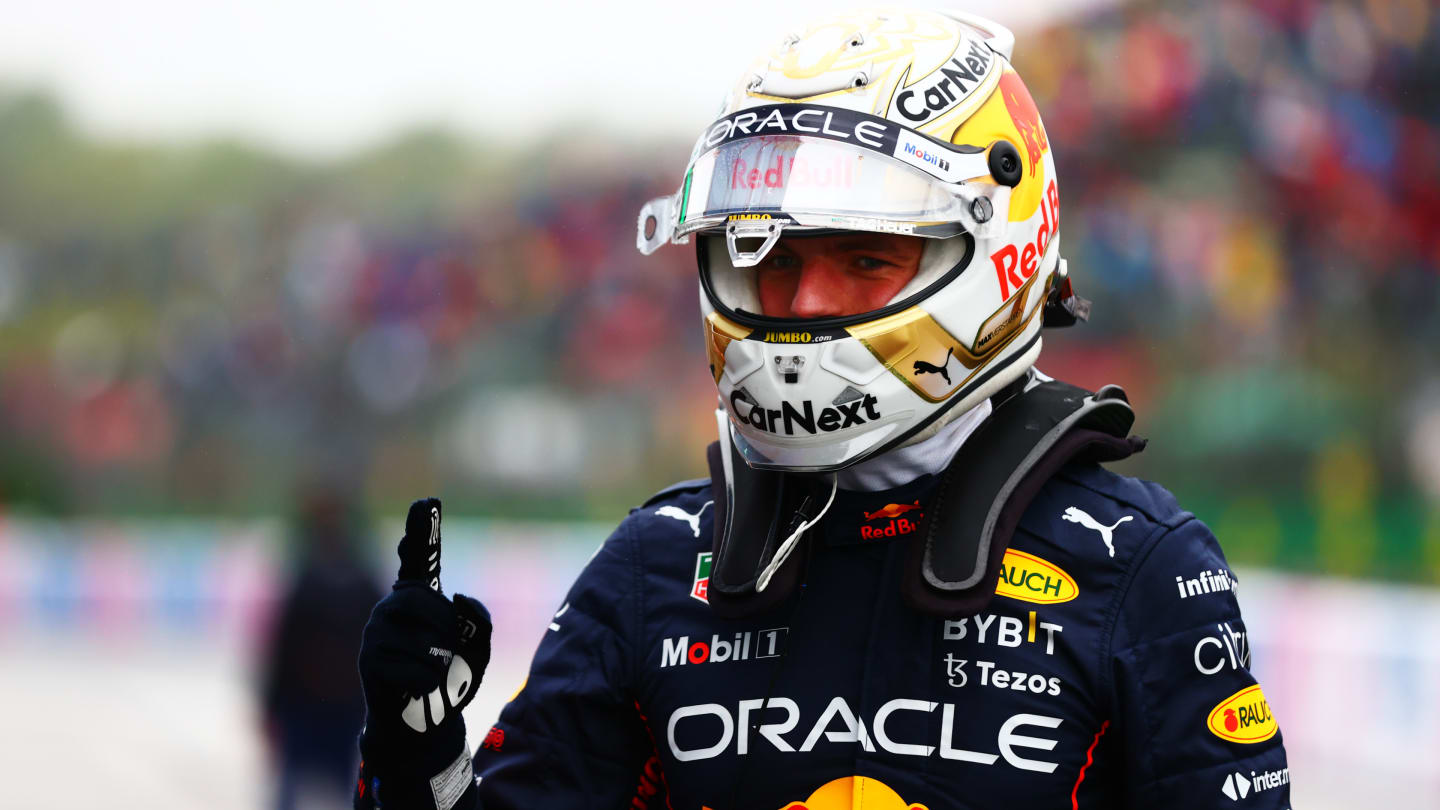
x=832 y=276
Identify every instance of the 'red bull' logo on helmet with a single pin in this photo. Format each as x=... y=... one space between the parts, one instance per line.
x=783 y=173
x=1026 y=117
x=1014 y=265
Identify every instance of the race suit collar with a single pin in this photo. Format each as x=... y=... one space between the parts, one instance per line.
x=905 y=464
x=959 y=537
x=862 y=518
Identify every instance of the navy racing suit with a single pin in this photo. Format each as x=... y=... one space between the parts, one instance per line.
x=1111 y=669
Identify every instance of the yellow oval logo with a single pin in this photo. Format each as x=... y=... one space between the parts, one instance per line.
x=1031 y=579
x=1244 y=717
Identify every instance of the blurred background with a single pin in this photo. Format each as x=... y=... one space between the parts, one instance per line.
x=266 y=275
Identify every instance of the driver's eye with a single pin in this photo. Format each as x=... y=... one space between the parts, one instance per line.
x=782 y=262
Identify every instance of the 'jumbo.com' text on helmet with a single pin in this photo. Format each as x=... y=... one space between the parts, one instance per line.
x=903 y=122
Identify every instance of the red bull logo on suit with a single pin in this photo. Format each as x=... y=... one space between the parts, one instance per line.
x=897 y=525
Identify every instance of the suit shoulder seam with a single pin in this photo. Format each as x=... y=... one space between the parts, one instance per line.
x=1179 y=518
x=694 y=484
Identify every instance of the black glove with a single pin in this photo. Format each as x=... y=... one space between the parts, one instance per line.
x=421 y=659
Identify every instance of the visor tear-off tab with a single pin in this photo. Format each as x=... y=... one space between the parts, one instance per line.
x=953 y=566
x=766 y=229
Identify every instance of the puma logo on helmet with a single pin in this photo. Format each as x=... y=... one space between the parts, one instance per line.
x=922 y=367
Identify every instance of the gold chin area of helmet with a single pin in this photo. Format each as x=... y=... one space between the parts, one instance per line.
x=930 y=360
x=910 y=344
x=719 y=331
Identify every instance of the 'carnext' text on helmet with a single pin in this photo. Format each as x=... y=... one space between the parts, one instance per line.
x=946 y=87
x=787 y=418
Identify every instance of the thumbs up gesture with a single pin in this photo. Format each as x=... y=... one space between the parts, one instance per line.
x=420 y=547
x=421 y=659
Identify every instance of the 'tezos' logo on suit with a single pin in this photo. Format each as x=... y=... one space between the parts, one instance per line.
x=700 y=588
x=897 y=525
x=1244 y=717
x=1032 y=579
x=676 y=652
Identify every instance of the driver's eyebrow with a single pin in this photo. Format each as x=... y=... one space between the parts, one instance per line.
x=780 y=249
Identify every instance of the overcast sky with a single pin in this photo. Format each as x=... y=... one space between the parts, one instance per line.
x=327 y=76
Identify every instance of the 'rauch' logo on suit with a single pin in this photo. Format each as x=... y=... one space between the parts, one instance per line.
x=1032 y=579
x=1244 y=717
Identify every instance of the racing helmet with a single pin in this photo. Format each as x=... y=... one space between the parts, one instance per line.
x=889 y=121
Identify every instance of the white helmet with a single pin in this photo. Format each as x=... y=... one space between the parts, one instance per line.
x=909 y=122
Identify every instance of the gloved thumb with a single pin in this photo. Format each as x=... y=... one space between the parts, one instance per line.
x=420 y=547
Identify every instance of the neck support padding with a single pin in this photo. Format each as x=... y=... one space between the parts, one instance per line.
x=953 y=565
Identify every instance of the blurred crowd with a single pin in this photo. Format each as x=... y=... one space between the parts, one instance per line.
x=1251 y=195
x=1253 y=200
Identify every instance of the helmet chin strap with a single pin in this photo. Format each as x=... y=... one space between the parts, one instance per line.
x=783 y=553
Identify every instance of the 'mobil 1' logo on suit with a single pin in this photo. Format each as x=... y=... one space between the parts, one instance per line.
x=1030 y=578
